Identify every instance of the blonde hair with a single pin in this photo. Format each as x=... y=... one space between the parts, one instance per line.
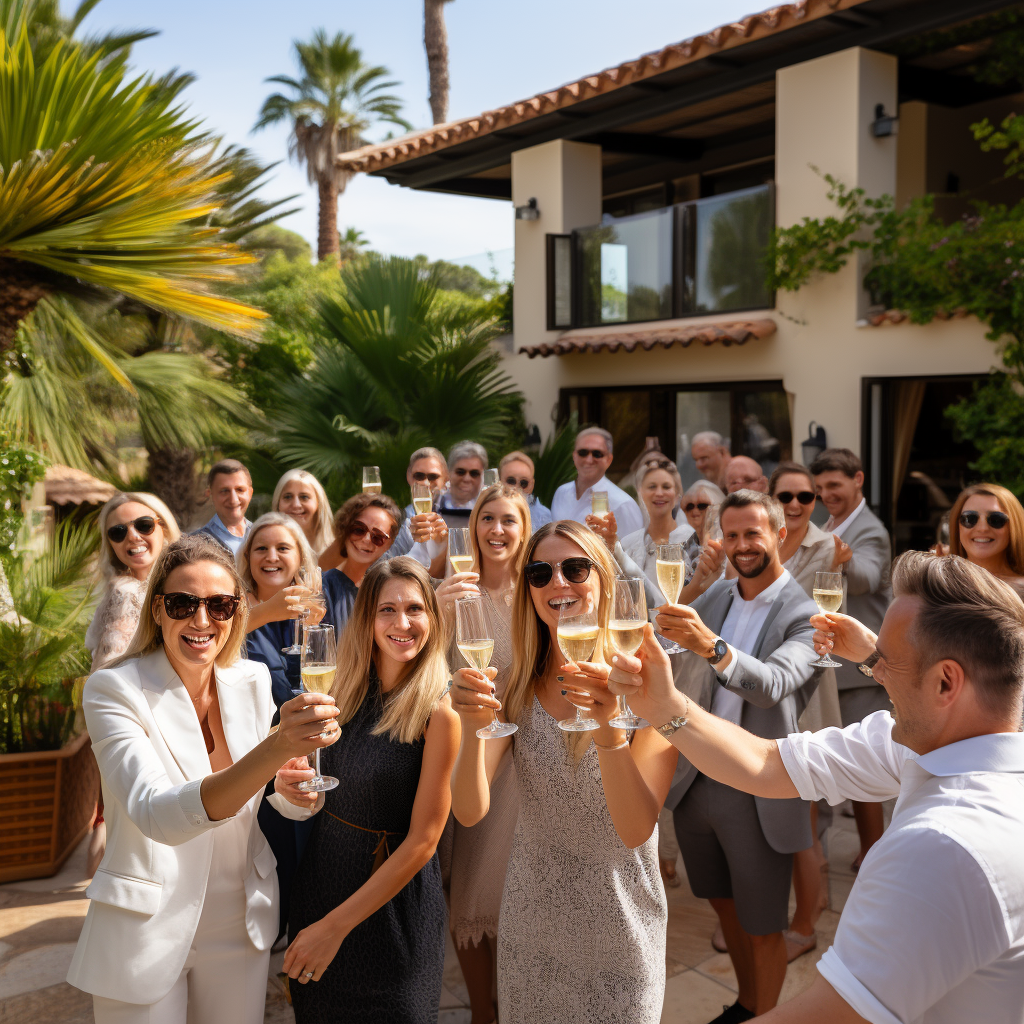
x=493 y=493
x=307 y=559
x=323 y=519
x=517 y=457
x=110 y=564
x=532 y=645
x=1014 y=552
x=189 y=549
x=650 y=465
x=407 y=709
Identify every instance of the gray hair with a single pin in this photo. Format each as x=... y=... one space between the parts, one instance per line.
x=425 y=453
x=705 y=487
x=711 y=437
x=745 y=497
x=466 y=450
x=600 y=432
x=969 y=616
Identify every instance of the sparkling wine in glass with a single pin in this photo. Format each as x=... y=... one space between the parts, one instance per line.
x=490 y=477
x=460 y=551
x=828 y=596
x=319 y=665
x=671 y=569
x=474 y=637
x=599 y=503
x=422 y=499
x=577 y=635
x=626 y=620
x=371 y=479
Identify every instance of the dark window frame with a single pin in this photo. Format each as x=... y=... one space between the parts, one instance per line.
x=551 y=242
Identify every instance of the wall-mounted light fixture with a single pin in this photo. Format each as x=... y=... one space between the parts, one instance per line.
x=884 y=124
x=815 y=443
x=529 y=211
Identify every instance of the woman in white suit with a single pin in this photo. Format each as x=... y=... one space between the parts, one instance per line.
x=184 y=904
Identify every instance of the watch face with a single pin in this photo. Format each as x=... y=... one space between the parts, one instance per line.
x=720 y=648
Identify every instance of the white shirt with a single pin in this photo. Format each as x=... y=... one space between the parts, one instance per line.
x=845 y=524
x=740 y=631
x=565 y=505
x=423 y=552
x=933 y=931
x=644 y=552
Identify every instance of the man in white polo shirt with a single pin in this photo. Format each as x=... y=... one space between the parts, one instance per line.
x=933 y=930
x=592 y=456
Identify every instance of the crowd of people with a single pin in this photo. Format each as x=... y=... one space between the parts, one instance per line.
x=460 y=805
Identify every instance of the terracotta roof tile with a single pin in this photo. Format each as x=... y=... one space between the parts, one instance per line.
x=727 y=332
x=66 y=485
x=724 y=37
x=899 y=316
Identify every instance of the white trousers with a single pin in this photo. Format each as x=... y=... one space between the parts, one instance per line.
x=224 y=980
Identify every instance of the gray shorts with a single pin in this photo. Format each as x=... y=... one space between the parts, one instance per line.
x=727 y=856
x=855 y=705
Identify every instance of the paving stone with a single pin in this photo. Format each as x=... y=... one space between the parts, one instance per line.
x=37 y=968
x=691 y=998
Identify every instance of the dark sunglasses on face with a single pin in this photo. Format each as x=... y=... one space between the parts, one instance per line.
x=359 y=530
x=574 y=570
x=804 y=497
x=700 y=506
x=474 y=473
x=595 y=452
x=144 y=525
x=220 y=607
x=512 y=482
x=429 y=477
x=997 y=520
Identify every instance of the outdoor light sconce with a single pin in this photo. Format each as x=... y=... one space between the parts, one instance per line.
x=815 y=443
x=884 y=124
x=529 y=211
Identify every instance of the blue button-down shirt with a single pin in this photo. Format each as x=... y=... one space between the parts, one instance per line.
x=216 y=529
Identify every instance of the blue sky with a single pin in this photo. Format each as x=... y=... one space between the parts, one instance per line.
x=499 y=52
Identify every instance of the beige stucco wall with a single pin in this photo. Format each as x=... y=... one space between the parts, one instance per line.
x=822 y=350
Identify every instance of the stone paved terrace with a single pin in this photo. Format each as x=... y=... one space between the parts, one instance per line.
x=40 y=922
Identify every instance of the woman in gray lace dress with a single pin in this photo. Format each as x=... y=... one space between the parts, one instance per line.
x=581 y=936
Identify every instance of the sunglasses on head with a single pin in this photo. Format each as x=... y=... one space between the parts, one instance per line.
x=428 y=477
x=700 y=506
x=144 y=525
x=574 y=570
x=595 y=452
x=804 y=497
x=359 y=530
x=512 y=482
x=461 y=471
x=997 y=520
x=219 y=607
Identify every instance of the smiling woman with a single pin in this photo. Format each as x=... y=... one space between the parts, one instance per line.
x=300 y=495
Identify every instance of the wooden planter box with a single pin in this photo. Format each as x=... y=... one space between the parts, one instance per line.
x=47 y=800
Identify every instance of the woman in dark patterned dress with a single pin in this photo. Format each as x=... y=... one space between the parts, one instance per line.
x=367 y=909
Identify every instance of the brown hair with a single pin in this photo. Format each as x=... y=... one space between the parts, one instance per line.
x=789 y=467
x=1010 y=505
x=408 y=707
x=968 y=616
x=355 y=506
x=745 y=498
x=227 y=467
x=841 y=459
x=189 y=549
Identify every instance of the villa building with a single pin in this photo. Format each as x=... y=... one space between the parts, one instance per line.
x=644 y=196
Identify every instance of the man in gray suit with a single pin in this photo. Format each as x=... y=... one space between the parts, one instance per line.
x=864 y=554
x=750 y=662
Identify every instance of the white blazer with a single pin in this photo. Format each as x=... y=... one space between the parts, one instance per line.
x=148 y=893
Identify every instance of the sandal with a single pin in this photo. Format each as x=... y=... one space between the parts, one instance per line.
x=797 y=944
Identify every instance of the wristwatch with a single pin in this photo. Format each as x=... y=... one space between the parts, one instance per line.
x=719 y=651
x=869 y=663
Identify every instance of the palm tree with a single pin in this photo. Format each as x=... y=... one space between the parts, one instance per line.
x=400 y=370
x=103 y=183
x=353 y=242
x=336 y=100
x=435 y=41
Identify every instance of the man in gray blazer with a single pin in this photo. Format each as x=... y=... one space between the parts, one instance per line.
x=864 y=553
x=749 y=660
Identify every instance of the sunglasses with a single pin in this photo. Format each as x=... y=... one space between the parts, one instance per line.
x=219 y=607
x=359 y=530
x=595 y=452
x=997 y=520
x=474 y=473
x=512 y=481
x=700 y=506
x=574 y=570
x=804 y=497
x=429 y=477
x=144 y=525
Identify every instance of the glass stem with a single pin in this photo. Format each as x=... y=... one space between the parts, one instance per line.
x=316 y=765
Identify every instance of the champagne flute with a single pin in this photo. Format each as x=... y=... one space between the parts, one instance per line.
x=422 y=499
x=828 y=596
x=460 y=551
x=306 y=581
x=490 y=477
x=577 y=635
x=671 y=569
x=599 y=503
x=474 y=637
x=371 y=479
x=319 y=665
x=626 y=621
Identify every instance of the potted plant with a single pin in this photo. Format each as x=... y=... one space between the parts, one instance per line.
x=48 y=776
